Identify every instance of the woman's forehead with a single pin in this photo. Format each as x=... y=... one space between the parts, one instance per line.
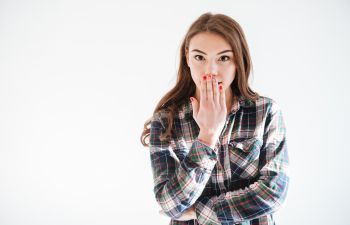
x=208 y=43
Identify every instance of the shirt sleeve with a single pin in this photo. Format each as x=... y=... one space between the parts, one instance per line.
x=263 y=197
x=178 y=184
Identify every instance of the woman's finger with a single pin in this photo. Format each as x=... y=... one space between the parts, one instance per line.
x=210 y=89
x=216 y=94
x=203 y=90
x=222 y=96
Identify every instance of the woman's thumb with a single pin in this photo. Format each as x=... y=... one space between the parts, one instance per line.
x=194 y=103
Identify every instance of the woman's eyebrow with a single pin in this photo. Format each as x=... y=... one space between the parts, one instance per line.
x=197 y=50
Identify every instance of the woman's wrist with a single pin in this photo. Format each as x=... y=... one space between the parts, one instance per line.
x=207 y=139
x=205 y=142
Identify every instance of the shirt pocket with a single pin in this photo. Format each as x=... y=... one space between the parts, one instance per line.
x=244 y=156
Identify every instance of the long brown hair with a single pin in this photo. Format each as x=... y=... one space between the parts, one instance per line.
x=185 y=87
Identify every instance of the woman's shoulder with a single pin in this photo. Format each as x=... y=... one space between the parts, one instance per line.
x=159 y=115
x=266 y=100
x=265 y=103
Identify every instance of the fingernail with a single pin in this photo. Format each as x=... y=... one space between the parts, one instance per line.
x=204 y=77
x=209 y=76
x=220 y=87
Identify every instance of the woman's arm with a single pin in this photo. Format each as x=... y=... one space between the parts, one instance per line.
x=178 y=184
x=262 y=197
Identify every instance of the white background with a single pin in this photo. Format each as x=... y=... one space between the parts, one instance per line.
x=78 y=79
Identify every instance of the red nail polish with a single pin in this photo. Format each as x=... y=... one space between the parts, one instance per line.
x=204 y=77
x=220 y=87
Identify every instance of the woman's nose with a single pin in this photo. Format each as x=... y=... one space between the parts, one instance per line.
x=212 y=68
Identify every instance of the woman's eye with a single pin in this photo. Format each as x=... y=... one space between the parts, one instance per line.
x=226 y=57
x=198 y=58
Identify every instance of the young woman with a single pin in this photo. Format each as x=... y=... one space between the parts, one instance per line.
x=218 y=149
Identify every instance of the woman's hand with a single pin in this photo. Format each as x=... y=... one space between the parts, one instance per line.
x=189 y=214
x=210 y=114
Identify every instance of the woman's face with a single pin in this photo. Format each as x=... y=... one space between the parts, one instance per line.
x=210 y=53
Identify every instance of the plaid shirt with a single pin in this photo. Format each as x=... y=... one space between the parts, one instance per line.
x=243 y=180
